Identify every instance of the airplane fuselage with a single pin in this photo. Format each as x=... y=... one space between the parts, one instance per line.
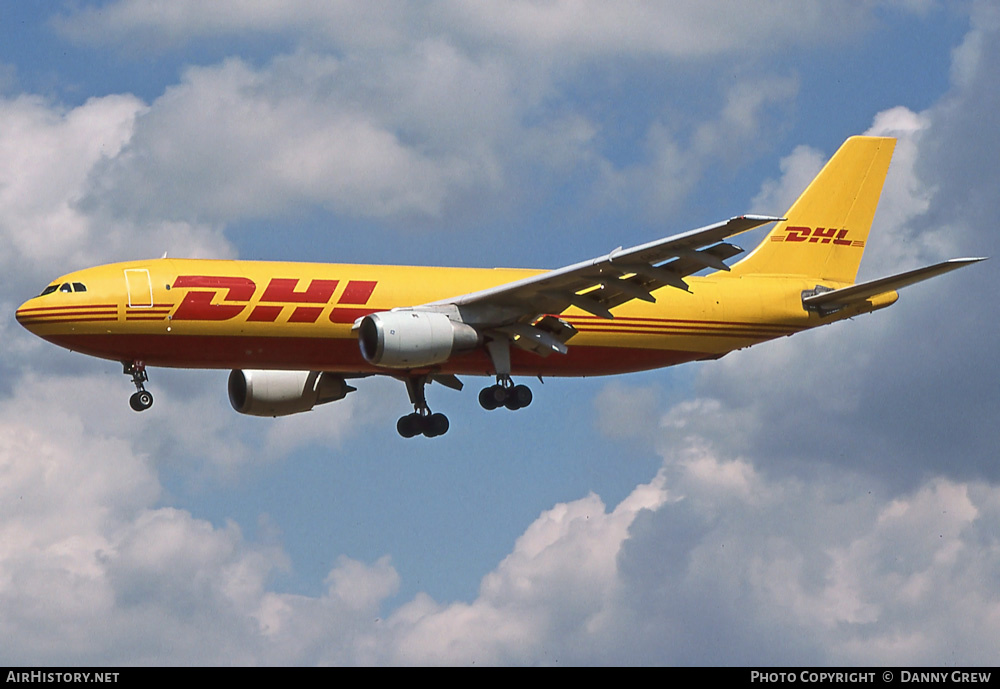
x=194 y=313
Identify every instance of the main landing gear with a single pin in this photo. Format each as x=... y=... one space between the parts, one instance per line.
x=421 y=420
x=142 y=399
x=505 y=394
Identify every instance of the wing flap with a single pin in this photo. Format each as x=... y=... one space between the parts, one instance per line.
x=646 y=278
x=548 y=335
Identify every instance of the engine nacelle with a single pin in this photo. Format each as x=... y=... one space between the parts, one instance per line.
x=412 y=339
x=279 y=393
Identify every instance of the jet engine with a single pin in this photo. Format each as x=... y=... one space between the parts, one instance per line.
x=412 y=339
x=279 y=393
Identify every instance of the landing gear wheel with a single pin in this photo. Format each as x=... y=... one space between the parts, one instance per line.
x=141 y=400
x=431 y=426
x=421 y=421
x=435 y=425
x=518 y=397
x=504 y=394
x=409 y=425
x=488 y=397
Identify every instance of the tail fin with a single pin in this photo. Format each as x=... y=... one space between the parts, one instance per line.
x=826 y=229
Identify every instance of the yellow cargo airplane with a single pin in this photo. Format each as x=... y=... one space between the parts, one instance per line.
x=295 y=333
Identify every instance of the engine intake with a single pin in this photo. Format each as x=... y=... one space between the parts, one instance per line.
x=280 y=393
x=412 y=339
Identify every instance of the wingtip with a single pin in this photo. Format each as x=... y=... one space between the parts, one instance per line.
x=763 y=218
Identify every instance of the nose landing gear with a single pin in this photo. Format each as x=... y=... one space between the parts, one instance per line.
x=142 y=399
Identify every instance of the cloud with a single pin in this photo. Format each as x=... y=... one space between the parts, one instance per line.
x=714 y=563
x=590 y=29
x=711 y=561
x=48 y=155
x=456 y=116
x=674 y=160
x=798 y=169
x=810 y=571
x=562 y=30
x=232 y=142
x=341 y=626
x=543 y=604
x=89 y=564
x=165 y=25
x=627 y=412
x=434 y=136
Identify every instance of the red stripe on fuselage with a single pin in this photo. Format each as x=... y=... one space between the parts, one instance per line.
x=46 y=320
x=343 y=356
x=38 y=310
x=63 y=316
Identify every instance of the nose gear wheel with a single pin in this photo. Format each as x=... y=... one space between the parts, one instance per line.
x=141 y=399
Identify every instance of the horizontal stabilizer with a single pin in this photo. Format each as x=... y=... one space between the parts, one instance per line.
x=832 y=300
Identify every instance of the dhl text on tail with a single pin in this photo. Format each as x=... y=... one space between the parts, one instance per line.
x=296 y=333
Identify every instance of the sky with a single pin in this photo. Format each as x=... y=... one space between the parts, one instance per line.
x=827 y=499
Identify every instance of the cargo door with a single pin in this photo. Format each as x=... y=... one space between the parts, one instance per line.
x=140 y=288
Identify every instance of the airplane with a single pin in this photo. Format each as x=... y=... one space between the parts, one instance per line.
x=294 y=334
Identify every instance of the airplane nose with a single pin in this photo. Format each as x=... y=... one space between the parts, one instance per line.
x=26 y=315
x=22 y=314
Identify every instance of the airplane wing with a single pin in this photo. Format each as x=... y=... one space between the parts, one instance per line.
x=602 y=283
x=829 y=301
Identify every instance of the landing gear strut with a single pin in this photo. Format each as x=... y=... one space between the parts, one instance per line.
x=421 y=420
x=505 y=394
x=142 y=399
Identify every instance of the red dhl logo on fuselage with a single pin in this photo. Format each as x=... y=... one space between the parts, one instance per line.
x=280 y=293
x=819 y=235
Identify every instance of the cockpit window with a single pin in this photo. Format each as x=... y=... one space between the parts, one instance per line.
x=66 y=287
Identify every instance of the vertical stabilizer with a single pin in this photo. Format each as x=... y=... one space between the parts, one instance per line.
x=826 y=229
